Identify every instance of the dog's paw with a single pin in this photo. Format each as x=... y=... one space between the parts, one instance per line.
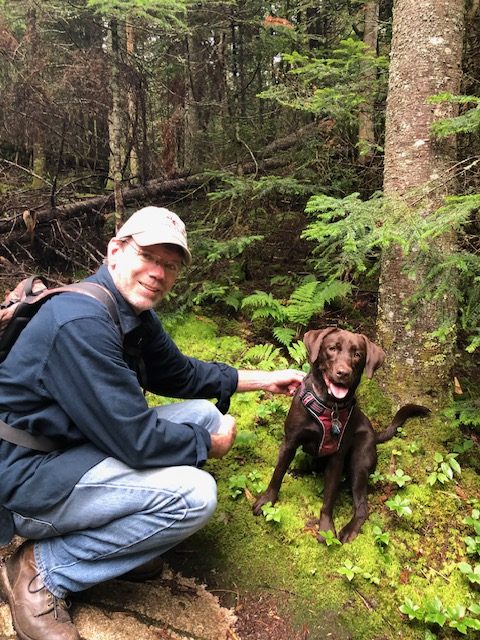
x=263 y=499
x=348 y=533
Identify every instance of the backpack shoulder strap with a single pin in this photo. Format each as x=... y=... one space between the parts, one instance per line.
x=100 y=293
x=18 y=315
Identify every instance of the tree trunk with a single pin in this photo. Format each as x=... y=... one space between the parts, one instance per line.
x=132 y=110
x=366 y=123
x=425 y=60
x=116 y=130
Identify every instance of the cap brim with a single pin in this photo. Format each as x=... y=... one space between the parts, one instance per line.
x=149 y=238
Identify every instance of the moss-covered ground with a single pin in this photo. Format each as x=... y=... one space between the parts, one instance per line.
x=336 y=591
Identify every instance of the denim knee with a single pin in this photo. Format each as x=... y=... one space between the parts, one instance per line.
x=210 y=415
x=203 y=494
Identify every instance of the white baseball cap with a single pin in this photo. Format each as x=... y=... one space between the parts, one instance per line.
x=156 y=225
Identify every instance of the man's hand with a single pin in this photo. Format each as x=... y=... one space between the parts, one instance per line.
x=222 y=442
x=285 y=381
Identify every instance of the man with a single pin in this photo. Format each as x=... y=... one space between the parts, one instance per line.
x=126 y=484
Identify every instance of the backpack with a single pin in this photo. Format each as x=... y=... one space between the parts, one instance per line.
x=18 y=308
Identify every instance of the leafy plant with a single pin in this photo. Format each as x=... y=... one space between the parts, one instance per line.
x=382 y=538
x=465 y=412
x=349 y=235
x=350 y=570
x=269 y=408
x=467 y=122
x=227 y=294
x=399 y=505
x=400 y=478
x=433 y=611
x=377 y=476
x=413 y=447
x=237 y=485
x=473 y=542
x=472 y=573
x=271 y=513
x=329 y=538
x=446 y=467
x=240 y=484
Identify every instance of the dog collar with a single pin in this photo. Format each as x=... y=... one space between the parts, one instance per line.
x=332 y=420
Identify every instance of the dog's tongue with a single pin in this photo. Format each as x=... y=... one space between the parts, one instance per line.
x=336 y=391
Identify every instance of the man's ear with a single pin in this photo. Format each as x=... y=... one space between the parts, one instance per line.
x=114 y=246
x=375 y=357
x=313 y=341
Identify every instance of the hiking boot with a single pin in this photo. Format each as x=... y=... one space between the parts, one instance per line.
x=36 y=613
x=145 y=572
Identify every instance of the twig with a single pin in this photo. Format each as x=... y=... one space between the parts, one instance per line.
x=32 y=173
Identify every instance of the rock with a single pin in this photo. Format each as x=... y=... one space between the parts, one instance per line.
x=170 y=608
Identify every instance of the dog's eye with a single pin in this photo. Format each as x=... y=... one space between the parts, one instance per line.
x=357 y=355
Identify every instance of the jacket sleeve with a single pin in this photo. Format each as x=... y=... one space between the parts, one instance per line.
x=85 y=373
x=171 y=373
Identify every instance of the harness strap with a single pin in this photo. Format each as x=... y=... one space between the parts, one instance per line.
x=331 y=420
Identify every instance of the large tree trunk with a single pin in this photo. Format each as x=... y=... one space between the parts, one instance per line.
x=425 y=60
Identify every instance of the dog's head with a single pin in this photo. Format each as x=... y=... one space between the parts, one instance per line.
x=338 y=359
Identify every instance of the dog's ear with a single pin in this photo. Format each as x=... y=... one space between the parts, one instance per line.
x=375 y=357
x=313 y=341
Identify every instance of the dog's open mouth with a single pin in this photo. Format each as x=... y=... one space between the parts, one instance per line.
x=335 y=390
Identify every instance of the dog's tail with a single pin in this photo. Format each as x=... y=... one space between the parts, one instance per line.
x=407 y=411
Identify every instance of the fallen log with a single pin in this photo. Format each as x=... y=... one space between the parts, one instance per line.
x=13 y=228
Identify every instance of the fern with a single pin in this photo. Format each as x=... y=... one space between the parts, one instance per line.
x=298 y=353
x=264 y=305
x=265 y=356
x=215 y=250
x=310 y=299
x=284 y=335
x=215 y=292
x=468 y=122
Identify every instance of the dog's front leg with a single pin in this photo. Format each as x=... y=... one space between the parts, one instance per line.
x=333 y=474
x=360 y=506
x=285 y=457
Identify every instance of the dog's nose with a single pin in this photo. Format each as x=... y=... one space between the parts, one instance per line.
x=342 y=372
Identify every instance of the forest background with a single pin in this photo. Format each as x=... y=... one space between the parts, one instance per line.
x=324 y=156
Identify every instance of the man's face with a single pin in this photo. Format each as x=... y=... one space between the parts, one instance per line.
x=143 y=275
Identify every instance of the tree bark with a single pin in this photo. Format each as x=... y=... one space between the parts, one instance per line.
x=366 y=122
x=418 y=365
x=116 y=129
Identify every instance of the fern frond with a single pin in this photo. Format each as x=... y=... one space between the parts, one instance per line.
x=298 y=353
x=284 y=335
x=265 y=356
x=264 y=305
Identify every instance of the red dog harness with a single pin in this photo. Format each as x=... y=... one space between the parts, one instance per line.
x=332 y=421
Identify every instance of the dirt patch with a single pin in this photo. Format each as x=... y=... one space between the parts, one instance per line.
x=259 y=618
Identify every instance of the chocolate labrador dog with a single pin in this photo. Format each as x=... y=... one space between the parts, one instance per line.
x=326 y=421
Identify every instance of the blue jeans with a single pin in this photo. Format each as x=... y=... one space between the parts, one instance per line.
x=116 y=518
